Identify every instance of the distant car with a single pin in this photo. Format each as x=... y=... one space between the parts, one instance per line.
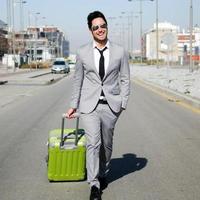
x=71 y=64
x=60 y=66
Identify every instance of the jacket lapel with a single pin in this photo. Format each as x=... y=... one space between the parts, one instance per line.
x=110 y=59
x=91 y=60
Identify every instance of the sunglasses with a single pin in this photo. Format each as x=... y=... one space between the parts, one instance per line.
x=95 y=28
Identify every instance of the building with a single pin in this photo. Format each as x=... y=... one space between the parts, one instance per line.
x=33 y=44
x=173 y=44
x=41 y=43
x=184 y=46
x=3 y=39
x=167 y=42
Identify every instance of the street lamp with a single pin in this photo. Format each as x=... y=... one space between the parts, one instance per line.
x=123 y=29
x=130 y=17
x=191 y=33
x=9 y=22
x=11 y=30
x=36 y=37
x=141 y=39
x=36 y=18
x=157 y=54
x=128 y=28
x=157 y=48
x=21 y=2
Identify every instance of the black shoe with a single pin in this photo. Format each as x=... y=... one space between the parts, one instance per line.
x=103 y=183
x=95 y=193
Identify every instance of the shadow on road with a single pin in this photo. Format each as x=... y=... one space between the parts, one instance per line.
x=128 y=164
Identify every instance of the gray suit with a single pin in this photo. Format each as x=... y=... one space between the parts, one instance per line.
x=88 y=84
x=99 y=119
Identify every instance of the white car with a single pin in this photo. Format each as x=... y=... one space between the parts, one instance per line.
x=60 y=66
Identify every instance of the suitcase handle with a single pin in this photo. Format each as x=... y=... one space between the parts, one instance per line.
x=76 y=115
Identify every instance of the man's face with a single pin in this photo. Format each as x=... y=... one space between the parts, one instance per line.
x=99 y=30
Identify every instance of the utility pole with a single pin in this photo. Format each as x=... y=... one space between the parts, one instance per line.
x=191 y=34
x=9 y=28
x=157 y=48
x=21 y=2
x=30 y=39
x=141 y=37
x=13 y=32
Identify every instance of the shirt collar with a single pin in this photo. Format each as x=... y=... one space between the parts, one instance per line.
x=107 y=45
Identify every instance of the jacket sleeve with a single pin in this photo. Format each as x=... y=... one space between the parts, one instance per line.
x=125 y=79
x=77 y=82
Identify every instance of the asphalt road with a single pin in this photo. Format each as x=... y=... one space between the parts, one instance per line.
x=156 y=148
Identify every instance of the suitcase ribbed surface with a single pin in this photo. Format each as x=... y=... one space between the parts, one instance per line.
x=66 y=163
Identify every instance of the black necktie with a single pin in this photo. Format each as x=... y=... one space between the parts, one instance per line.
x=101 y=63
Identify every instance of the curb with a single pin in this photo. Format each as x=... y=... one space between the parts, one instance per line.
x=174 y=95
x=33 y=81
x=42 y=82
x=45 y=73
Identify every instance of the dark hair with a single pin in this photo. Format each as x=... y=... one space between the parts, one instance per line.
x=94 y=15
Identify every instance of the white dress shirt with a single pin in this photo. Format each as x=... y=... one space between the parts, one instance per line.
x=97 y=56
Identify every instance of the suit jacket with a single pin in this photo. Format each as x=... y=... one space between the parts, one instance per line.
x=87 y=84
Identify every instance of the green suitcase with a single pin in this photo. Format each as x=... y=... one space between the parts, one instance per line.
x=66 y=154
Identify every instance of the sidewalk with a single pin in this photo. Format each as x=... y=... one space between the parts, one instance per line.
x=9 y=71
x=28 y=76
x=178 y=82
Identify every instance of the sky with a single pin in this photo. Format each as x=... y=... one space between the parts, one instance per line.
x=71 y=16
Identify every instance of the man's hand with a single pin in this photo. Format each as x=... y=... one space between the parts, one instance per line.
x=70 y=113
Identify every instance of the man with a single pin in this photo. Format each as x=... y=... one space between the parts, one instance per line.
x=101 y=89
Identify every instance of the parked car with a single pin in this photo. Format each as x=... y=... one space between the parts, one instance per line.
x=60 y=66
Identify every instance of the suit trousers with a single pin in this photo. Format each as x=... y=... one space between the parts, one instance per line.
x=99 y=128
